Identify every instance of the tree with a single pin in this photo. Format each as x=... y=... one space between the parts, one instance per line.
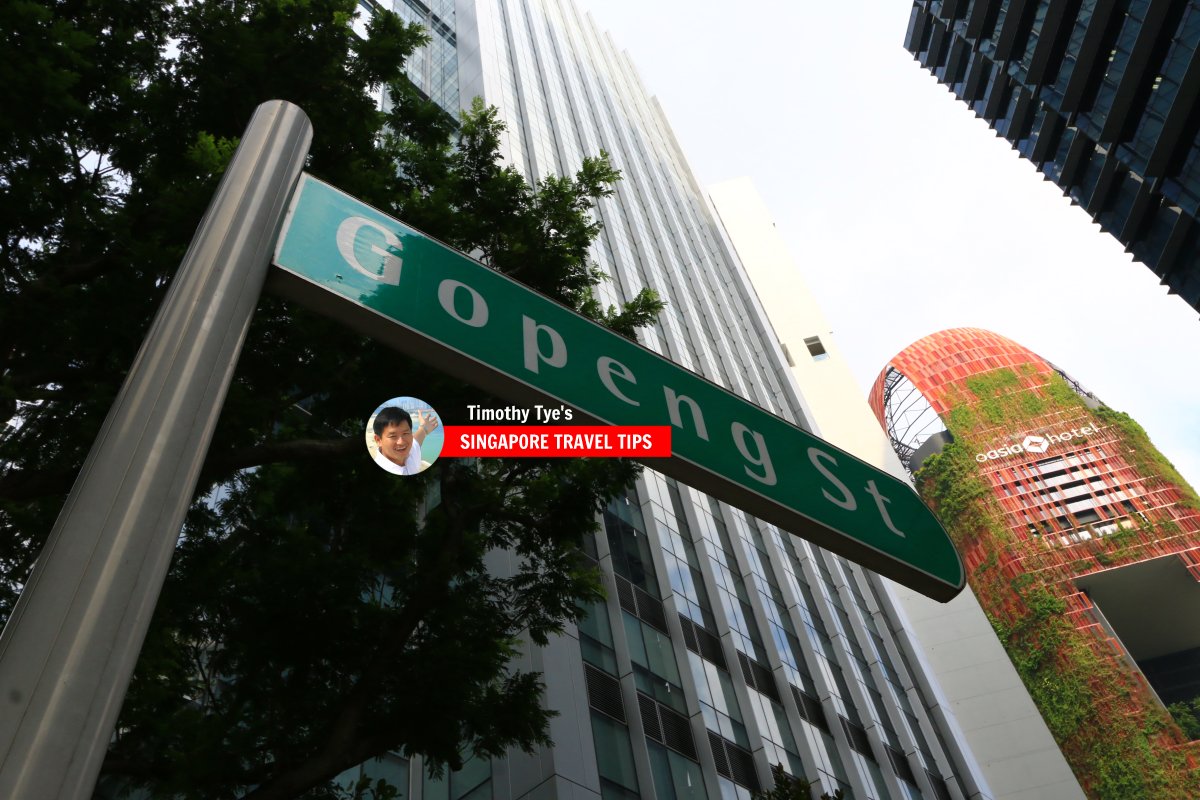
x=792 y=787
x=319 y=611
x=1187 y=715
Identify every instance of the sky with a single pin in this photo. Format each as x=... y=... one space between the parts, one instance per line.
x=905 y=213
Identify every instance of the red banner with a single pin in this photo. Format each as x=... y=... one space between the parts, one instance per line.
x=557 y=441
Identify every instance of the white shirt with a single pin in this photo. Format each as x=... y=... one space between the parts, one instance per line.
x=411 y=466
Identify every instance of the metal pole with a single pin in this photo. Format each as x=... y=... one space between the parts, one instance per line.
x=69 y=649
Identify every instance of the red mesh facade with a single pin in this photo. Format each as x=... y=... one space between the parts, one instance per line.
x=945 y=359
x=1077 y=489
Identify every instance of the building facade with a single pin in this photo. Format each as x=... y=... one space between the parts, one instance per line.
x=725 y=646
x=976 y=686
x=1102 y=96
x=1081 y=542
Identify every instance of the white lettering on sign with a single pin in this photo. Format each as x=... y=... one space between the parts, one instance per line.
x=557 y=357
x=483 y=327
x=479 y=307
x=388 y=269
x=881 y=503
x=1036 y=443
x=820 y=459
x=543 y=346
x=847 y=500
x=673 y=403
x=760 y=457
x=606 y=368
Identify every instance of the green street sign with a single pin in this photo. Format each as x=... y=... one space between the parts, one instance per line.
x=405 y=289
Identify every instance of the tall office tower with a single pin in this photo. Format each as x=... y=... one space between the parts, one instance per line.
x=1081 y=542
x=1102 y=96
x=725 y=646
x=433 y=69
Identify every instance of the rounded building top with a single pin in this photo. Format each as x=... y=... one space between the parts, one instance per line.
x=920 y=383
x=947 y=358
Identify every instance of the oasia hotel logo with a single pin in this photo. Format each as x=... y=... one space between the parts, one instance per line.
x=1035 y=443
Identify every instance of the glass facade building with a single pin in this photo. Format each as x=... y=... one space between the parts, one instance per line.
x=433 y=69
x=1081 y=542
x=1103 y=96
x=725 y=646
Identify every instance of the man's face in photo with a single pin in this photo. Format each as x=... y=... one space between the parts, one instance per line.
x=396 y=442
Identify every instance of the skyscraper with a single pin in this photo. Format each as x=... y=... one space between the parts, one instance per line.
x=1103 y=97
x=725 y=646
x=1081 y=542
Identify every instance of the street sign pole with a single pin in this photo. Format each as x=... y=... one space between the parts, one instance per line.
x=70 y=646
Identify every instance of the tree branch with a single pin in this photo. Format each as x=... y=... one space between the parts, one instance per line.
x=219 y=465
x=293 y=782
x=22 y=485
x=345 y=745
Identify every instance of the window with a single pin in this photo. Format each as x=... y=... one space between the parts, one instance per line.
x=654 y=667
x=815 y=348
x=674 y=775
x=472 y=782
x=390 y=768
x=614 y=758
